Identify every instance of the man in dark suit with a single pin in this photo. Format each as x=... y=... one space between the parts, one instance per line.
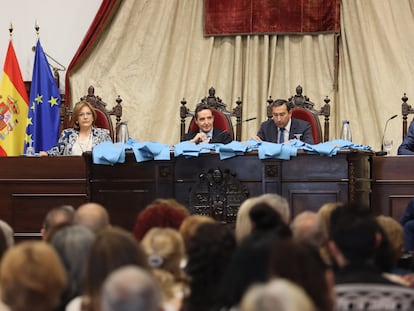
x=407 y=146
x=204 y=119
x=282 y=127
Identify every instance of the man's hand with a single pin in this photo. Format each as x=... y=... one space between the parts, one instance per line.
x=200 y=137
x=257 y=138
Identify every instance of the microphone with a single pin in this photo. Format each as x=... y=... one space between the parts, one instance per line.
x=246 y=120
x=382 y=152
x=249 y=119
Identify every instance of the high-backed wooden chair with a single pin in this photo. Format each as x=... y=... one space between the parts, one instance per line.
x=103 y=115
x=303 y=108
x=406 y=109
x=222 y=117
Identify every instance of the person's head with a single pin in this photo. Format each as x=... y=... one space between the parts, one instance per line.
x=171 y=202
x=112 y=248
x=190 y=224
x=355 y=234
x=130 y=288
x=92 y=215
x=84 y=115
x=209 y=251
x=165 y=250
x=395 y=234
x=278 y=203
x=278 y=294
x=32 y=277
x=308 y=226
x=73 y=244
x=266 y=219
x=281 y=112
x=157 y=215
x=8 y=233
x=204 y=118
x=243 y=221
x=58 y=216
x=325 y=212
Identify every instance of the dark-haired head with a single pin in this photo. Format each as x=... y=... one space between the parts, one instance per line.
x=265 y=219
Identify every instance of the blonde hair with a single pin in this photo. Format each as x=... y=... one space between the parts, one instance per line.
x=394 y=232
x=165 y=250
x=32 y=277
x=278 y=294
x=190 y=225
x=243 y=222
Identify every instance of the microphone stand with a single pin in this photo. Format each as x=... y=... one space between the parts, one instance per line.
x=382 y=152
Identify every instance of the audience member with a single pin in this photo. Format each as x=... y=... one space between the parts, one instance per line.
x=283 y=127
x=278 y=294
x=6 y=237
x=112 y=248
x=204 y=118
x=83 y=137
x=407 y=145
x=190 y=225
x=173 y=203
x=73 y=244
x=57 y=216
x=301 y=263
x=252 y=255
x=130 y=288
x=243 y=222
x=407 y=220
x=166 y=252
x=355 y=243
x=307 y=226
x=157 y=215
x=394 y=232
x=325 y=212
x=8 y=233
x=93 y=216
x=209 y=252
x=32 y=277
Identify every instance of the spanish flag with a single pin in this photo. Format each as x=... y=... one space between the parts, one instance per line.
x=13 y=107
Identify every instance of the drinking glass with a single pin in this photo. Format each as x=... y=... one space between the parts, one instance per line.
x=388 y=144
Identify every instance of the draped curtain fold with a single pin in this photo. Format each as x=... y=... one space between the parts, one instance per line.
x=103 y=17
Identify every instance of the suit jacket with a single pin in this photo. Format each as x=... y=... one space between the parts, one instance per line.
x=268 y=131
x=407 y=146
x=218 y=136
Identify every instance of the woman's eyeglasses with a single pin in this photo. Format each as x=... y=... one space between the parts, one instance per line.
x=87 y=114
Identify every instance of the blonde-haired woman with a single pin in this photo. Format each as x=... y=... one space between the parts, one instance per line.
x=166 y=252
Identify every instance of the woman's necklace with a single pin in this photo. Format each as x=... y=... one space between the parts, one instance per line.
x=85 y=147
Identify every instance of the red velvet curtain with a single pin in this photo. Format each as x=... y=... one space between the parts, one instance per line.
x=235 y=17
x=105 y=13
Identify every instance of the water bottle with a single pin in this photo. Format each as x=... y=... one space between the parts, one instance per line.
x=30 y=151
x=122 y=135
x=346 y=131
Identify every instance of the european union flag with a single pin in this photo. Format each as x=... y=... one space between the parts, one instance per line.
x=44 y=107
